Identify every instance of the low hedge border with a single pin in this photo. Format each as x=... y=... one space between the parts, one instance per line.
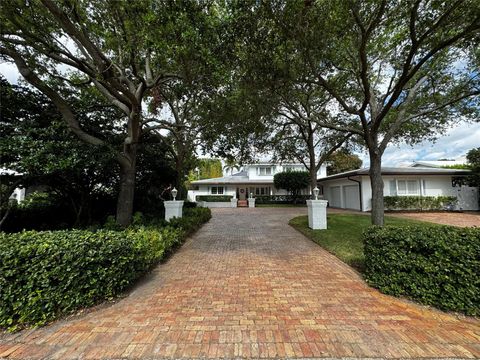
x=282 y=199
x=435 y=265
x=214 y=198
x=44 y=275
x=419 y=202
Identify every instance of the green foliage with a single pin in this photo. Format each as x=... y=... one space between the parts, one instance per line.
x=281 y=199
x=44 y=275
x=343 y=237
x=341 y=161
x=192 y=219
x=419 y=202
x=435 y=265
x=214 y=198
x=292 y=181
x=473 y=157
x=39 y=211
x=209 y=168
x=457 y=166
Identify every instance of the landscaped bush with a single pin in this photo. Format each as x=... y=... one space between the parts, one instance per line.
x=39 y=212
x=192 y=219
x=419 y=202
x=214 y=198
x=282 y=199
x=435 y=265
x=47 y=274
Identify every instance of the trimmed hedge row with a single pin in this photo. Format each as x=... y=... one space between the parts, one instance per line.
x=44 y=275
x=214 y=198
x=419 y=202
x=282 y=199
x=435 y=265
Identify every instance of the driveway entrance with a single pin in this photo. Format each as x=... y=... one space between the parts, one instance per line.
x=248 y=285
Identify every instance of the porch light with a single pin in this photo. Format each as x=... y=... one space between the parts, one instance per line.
x=315 y=193
x=174 y=193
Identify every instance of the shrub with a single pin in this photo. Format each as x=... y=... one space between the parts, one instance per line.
x=39 y=211
x=192 y=220
x=419 y=202
x=282 y=199
x=44 y=275
x=436 y=265
x=214 y=198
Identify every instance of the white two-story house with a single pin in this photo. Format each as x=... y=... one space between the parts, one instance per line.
x=253 y=179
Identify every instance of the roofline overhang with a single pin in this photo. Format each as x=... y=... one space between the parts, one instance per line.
x=423 y=173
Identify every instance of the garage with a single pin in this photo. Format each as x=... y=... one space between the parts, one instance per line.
x=335 y=198
x=351 y=196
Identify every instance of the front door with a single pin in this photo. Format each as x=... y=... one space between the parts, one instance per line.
x=242 y=191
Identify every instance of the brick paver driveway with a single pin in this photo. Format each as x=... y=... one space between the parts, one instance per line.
x=446 y=218
x=248 y=285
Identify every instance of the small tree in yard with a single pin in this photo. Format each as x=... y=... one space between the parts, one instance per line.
x=473 y=157
x=292 y=181
x=343 y=160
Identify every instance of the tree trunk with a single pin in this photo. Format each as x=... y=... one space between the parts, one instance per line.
x=126 y=195
x=376 y=180
x=313 y=179
x=312 y=163
x=180 y=169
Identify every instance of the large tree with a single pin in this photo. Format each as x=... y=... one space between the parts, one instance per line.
x=396 y=70
x=37 y=146
x=123 y=49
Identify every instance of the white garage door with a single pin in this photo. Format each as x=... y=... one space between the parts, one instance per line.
x=335 y=200
x=351 y=194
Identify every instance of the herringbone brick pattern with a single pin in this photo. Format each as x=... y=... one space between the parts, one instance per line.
x=249 y=286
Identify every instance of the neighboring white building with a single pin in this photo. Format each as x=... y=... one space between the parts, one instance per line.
x=352 y=189
x=439 y=163
x=255 y=179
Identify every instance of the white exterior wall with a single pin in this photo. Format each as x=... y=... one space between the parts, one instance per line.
x=18 y=194
x=430 y=185
x=205 y=190
x=253 y=172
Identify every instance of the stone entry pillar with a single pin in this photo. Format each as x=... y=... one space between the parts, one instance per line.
x=173 y=209
x=317 y=214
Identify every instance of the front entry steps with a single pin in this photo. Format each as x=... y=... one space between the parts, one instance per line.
x=242 y=203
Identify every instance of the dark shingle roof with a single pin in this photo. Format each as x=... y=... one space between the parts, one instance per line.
x=400 y=171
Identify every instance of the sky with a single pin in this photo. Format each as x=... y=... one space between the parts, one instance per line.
x=454 y=144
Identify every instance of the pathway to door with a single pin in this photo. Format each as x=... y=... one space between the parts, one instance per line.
x=249 y=285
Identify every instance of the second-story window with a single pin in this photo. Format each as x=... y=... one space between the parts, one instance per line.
x=265 y=171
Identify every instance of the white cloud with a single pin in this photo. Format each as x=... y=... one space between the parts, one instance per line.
x=454 y=144
x=9 y=71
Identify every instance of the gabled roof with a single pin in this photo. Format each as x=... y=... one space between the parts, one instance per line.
x=399 y=171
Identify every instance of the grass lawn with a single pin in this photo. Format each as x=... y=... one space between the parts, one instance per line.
x=343 y=238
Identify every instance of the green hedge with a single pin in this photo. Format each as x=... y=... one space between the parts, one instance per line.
x=419 y=202
x=214 y=198
x=435 y=265
x=282 y=199
x=44 y=275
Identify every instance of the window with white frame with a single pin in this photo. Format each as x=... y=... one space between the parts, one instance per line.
x=408 y=187
x=265 y=170
x=216 y=190
x=262 y=190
